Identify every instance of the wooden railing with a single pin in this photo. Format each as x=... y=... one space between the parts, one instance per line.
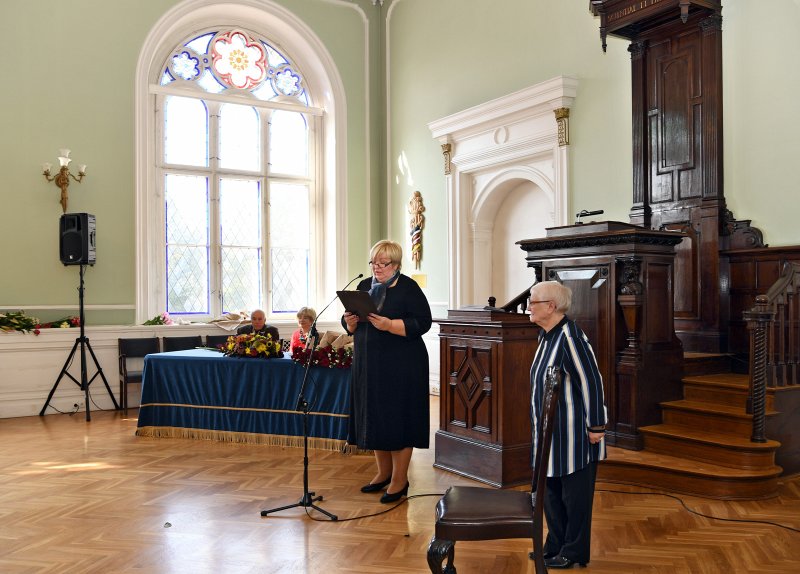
x=773 y=324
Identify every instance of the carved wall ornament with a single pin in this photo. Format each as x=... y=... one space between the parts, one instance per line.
x=417 y=224
x=629 y=282
x=562 y=118
x=446 y=153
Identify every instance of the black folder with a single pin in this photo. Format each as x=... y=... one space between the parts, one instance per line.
x=358 y=303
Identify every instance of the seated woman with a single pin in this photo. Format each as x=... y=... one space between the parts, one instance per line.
x=258 y=325
x=305 y=318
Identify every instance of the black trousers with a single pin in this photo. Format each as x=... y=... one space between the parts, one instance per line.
x=568 y=511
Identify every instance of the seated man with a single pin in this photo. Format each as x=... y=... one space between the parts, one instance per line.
x=258 y=325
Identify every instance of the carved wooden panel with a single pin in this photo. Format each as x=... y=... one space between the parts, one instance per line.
x=470 y=405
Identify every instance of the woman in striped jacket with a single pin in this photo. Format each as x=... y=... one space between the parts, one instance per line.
x=578 y=429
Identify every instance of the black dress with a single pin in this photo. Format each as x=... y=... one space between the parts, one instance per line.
x=390 y=408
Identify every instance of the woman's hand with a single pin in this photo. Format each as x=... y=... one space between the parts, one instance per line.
x=351 y=321
x=380 y=322
x=595 y=437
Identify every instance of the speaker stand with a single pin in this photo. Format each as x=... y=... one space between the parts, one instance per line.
x=84 y=383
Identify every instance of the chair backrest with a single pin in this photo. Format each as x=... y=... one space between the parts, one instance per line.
x=214 y=340
x=541 y=458
x=138 y=347
x=131 y=353
x=181 y=343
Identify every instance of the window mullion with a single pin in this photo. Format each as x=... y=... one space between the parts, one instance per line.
x=266 y=260
x=215 y=248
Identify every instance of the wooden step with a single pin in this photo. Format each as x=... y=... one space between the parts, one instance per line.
x=705 y=363
x=703 y=445
x=722 y=388
x=677 y=474
x=714 y=417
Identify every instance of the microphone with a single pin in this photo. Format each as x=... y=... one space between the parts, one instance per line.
x=310 y=343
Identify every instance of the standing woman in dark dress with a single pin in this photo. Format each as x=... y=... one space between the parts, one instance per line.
x=390 y=405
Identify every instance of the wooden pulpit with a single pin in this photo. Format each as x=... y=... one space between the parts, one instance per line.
x=484 y=424
x=621 y=276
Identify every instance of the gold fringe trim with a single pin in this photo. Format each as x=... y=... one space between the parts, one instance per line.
x=248 y=438
x=212 y=407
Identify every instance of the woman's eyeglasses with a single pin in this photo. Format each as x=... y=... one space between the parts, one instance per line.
x=535 y=302
x=378 y=265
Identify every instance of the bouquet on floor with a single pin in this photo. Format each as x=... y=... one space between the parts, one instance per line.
x=335 y=351
x=252 y=345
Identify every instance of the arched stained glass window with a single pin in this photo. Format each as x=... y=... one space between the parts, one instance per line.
x=235 y=155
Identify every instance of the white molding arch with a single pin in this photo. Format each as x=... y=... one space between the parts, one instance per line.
x=493 y=147
x=324 y=84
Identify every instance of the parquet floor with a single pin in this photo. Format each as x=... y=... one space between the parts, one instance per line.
x=79 y=497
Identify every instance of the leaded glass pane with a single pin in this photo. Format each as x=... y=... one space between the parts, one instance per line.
x=166 y=78
x=186 y=198
x=287 y=82
x=200 y=44
x=274 y=58
x=240 y=212
x=186 y=65
x=239 y=137
x=289 y=240
x=288 y=143
x=241 y=278
x=185 y=131
x=210 y=83
x=187 y=279
x=265 y=91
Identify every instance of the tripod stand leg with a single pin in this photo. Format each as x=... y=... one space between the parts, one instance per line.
x=60 y=376
x=102 y=375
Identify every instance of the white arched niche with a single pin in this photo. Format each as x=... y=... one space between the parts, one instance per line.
x=506 y=166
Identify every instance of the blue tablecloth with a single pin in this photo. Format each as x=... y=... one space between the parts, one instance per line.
x=203 y=394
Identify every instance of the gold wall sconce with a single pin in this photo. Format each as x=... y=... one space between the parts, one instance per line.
x=63 y=175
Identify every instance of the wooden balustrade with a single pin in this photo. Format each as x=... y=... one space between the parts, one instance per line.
x=773 y=325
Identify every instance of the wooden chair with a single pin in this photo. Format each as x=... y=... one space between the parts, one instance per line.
x=473 y=513
x=181 y=343
x=214 y=340
x=134 y=349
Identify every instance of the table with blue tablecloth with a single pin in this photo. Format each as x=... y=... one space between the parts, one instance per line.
x=203 y=394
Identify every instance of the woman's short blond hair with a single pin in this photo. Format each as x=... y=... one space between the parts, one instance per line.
x=306 y=312
x=387 y=248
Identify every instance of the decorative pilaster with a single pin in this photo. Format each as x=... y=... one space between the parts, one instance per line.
x=562 y=118
x=446 y=153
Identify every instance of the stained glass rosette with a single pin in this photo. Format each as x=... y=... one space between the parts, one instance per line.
x=238 y=60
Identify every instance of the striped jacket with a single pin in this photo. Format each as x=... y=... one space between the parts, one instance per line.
x=581 y=404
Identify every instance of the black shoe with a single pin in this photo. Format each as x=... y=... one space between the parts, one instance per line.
x=395 y=496
x=562 y=563
x=376 y=487
x=547 y=556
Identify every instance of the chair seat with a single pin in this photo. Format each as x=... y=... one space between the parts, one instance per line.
x=472 y=513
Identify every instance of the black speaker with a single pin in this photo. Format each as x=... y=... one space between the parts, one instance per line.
x=76 y=244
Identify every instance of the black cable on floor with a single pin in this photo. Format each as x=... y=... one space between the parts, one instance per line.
x=403 y=501
x=700 y=513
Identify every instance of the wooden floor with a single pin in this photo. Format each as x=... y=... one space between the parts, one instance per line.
x=91 y=497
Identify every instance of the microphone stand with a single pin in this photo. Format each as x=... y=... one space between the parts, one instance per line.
x=308 y=499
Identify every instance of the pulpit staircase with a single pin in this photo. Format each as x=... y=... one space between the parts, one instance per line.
x=713 y=442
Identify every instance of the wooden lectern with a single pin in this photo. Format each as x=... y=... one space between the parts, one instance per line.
x=485 y=428
x=621 y=276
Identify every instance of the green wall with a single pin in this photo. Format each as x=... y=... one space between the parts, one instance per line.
x=448 y=55
x=70 y=82
x=72 y=85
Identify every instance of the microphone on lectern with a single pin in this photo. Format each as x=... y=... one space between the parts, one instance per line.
x=310 y=342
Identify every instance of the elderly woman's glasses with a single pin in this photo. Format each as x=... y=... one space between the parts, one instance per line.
x=532 y=302
x=379 y=265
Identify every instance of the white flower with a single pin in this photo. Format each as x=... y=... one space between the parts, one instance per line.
x=238 y=60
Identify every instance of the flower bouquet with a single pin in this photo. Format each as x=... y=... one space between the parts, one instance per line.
x=252 y=345
x=162 y=319
x=65 y=323
x=18 y=321
x=326 y=357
